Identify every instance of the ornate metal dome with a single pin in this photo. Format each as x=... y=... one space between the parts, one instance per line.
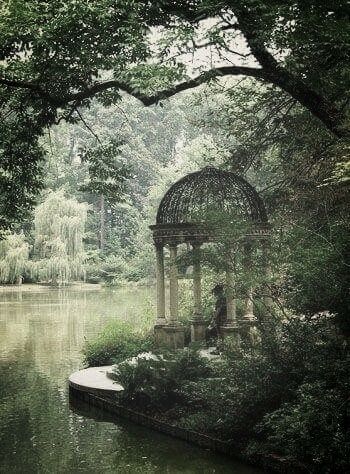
x=210 y=190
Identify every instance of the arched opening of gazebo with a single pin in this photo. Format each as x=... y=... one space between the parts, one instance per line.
x=182 y=218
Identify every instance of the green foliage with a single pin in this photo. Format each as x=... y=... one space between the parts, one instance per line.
x=45 y=77
x=14 y=258
x=21 y=161
x=316 y=276
x=116 y=343
x=110 y=270
x=287 y=395
x=59 y=231
x=154 y=382
x=312 y=428
x=107 y=173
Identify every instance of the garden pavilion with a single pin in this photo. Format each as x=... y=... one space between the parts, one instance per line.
x=185 y=216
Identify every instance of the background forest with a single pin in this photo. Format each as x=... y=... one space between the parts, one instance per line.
x=105 y=176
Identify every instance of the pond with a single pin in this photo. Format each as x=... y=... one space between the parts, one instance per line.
x=41 y=335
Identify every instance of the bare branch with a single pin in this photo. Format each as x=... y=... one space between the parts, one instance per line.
x=88 y=126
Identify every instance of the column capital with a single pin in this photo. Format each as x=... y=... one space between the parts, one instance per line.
x=196 y=244
x=158 y=242
x=173 y=244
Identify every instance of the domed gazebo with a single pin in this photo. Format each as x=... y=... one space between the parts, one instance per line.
x=181 y=218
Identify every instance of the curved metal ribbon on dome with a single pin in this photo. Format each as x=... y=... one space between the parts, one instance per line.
x=208 y=189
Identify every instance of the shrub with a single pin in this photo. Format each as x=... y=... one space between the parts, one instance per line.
x=311 y=429
x=117 y=342
x=288 y=395
x=156 y=382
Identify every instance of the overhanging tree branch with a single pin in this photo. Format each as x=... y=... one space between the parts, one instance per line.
x=320 y=107
x=123 y=86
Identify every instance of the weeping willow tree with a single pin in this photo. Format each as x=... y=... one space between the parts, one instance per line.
x=59 y=230
x=14 y=255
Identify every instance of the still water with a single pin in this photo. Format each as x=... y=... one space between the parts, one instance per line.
x=41 y=335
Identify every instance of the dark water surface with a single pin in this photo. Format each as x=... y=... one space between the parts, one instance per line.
x=41 y=335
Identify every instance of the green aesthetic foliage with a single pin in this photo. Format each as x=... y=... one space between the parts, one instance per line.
x=318 y=414
x=59 y=227
x=107 y=175
x=287 y=395
x=117 y=342
x=138 y=47
x=154 y=383
x=272 y=106
x=14 y=258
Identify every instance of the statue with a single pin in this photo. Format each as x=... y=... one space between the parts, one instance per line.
x=220 y=313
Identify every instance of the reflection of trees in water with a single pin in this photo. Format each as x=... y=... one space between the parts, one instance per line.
x=39 y=434
x=50 y=325
x=40 y=339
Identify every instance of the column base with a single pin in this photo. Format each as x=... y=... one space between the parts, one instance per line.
x=230 y=331
x=159 y=334
x=198 y=330
x=170 y=336
x=249 y=330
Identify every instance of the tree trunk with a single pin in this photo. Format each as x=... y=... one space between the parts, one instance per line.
x=320 y=107
x=277 y=74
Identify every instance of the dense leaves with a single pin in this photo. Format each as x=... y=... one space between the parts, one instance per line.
x=45 y=75
x=287 y=396
x=117 y=342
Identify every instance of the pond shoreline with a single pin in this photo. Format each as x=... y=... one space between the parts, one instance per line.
x=45 y=287
x=107 y=402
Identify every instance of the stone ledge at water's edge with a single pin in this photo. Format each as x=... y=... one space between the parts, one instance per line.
x=95 y=380
x=94 y=387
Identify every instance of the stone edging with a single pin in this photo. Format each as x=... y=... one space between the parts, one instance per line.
x=108 y=403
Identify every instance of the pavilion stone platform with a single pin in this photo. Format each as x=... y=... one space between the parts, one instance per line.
x=95 y=380
x=182 y=218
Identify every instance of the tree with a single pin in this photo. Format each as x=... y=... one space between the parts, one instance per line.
x=306 y=55
x=59 y=231
x=106 y=178
x=14 y=256
x=298 y=46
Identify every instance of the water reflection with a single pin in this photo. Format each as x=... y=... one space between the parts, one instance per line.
x=41 y=334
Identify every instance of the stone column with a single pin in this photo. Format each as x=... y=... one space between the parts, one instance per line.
x=197 y=284
x=159 y=334
x=230 y=298
x=160 y=285
x=174 y=332
x=248 y=323
x=230 y=328
x=174 y=288
x=197 y=322
x=249 y=307
x=268 y=301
